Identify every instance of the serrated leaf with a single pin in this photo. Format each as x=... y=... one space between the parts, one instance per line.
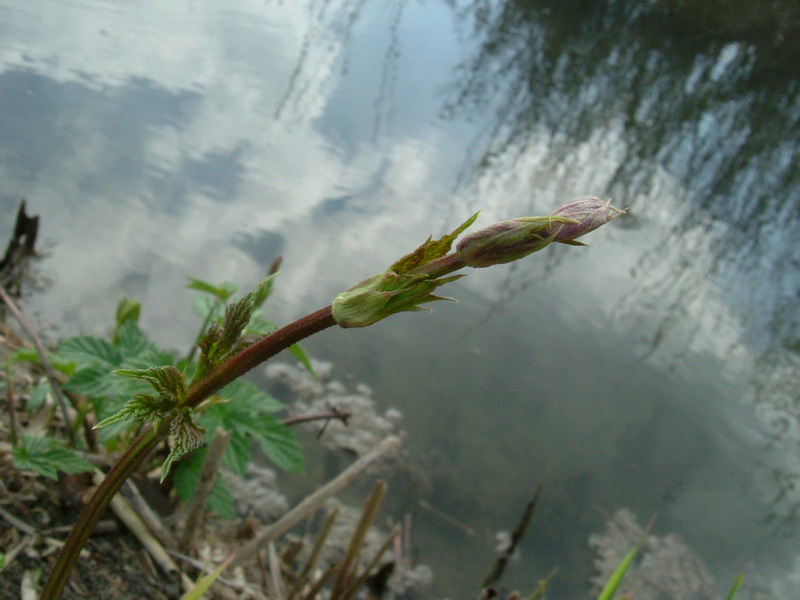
x=166 y=380
x=150 y=357
x=106 y=407
x=222 y=291
x=47 y=456
x=186 y=476
x=131 y=341
x=277 y=441
x=430 y=249
x=89 y=350
x=237 y=454
x=248 y=398
x=99 y=381
x=237 y=316
x=140 y=407
x=281 y=446
x=185 y=436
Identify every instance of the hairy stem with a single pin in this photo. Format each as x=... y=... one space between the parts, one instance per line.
x=218 y=378
x=95 y=508
x=258 y=352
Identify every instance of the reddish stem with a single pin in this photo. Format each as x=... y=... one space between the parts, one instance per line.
x=256 y=353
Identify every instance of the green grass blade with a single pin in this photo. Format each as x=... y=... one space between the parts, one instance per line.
x=735 y=589
x=616 y=578
x=202 y=585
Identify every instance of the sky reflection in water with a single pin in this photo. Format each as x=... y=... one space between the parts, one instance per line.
x=161 y=141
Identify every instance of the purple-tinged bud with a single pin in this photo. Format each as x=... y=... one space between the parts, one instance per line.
x=585 y=214
x=508 y=241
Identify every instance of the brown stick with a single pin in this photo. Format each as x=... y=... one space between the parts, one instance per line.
x=151 y=519
x=312 y=502
x=12 y=415
x=208 y=475
x=341 y=415
x=55 y=386
x=516 y=538
x=347 y=570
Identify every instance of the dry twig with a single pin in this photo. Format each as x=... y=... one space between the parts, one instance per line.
x=55 y=386
x=208 y=475
x=312 y=502
x=516 y=538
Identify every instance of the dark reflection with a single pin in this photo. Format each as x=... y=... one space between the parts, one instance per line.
x=329 y=29
x=695 y=104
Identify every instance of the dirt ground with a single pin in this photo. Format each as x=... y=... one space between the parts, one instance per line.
x=116 y=567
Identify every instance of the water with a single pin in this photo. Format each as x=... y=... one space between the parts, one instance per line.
x=656 y=370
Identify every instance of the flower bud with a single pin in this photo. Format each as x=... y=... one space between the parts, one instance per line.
x=385 y=294
x=508 y=241
x=511 y=240
x=585 y=214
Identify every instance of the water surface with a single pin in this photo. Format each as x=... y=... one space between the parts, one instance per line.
x=656 y=370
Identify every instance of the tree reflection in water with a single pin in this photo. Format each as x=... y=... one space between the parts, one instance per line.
x=690 y=112
x=684 y=110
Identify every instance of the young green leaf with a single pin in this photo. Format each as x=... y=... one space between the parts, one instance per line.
x=300 y=354
x=186 y=476
x=100 y=382
x=222 y=291
x=430 y=250
x=167 y=381
x=248 y=398
x=237 y=454
x=26 y=354
x=141 y=407
x=131 y=341
x=262 y=291
x=245 y=405
x=185 y=435
x=259 y=325
x=89 y=350
x=47 y=456
x=280 y=444
x=127 y=309
x=222 y=340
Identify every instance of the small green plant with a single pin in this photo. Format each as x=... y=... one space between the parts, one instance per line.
x=47 y=456
x=128 y=380
x=163 y=399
